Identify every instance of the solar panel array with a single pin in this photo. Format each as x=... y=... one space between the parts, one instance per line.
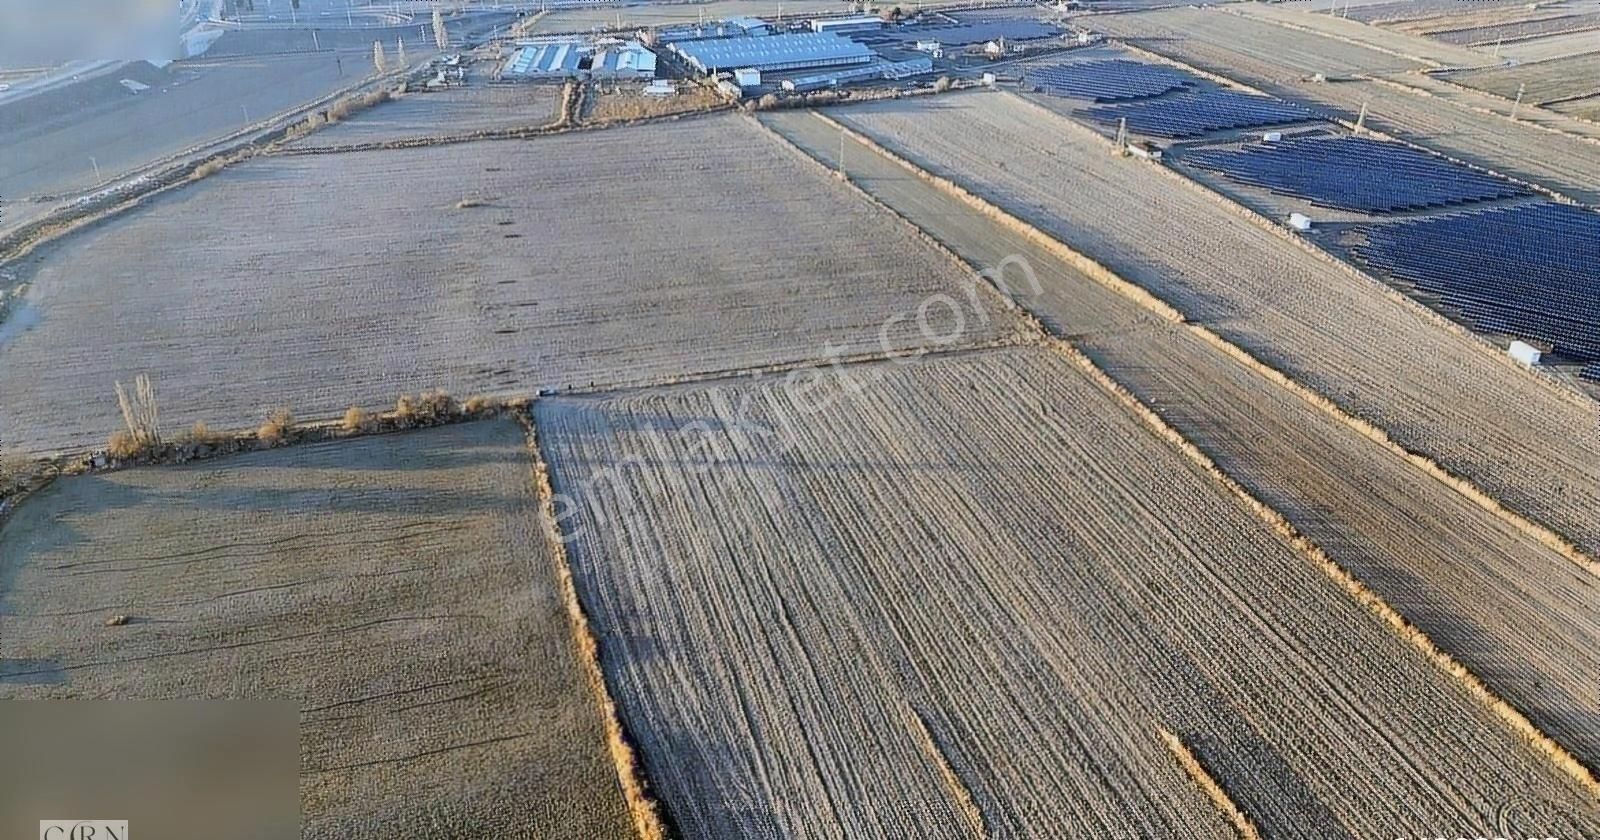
x=1106 y=81
x=1520 y=30
x=1353 y=173
x=1200 y=112
x=1529 y=271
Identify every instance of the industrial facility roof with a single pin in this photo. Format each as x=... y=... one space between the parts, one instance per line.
x=557 y=58
x=628 y=59
x=774 y=52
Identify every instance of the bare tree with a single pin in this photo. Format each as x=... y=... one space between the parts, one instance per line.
x=140 y=412
x=440 y=36
x=400 y=52
x=378 y=59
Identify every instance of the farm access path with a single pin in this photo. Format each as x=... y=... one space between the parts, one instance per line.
x=1515 y=612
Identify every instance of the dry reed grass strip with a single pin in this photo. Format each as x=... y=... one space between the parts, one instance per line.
x=647 y=819
x=1210 y=786
x=971 y=814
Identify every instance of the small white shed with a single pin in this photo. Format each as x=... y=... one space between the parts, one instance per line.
x=1300 y=222
x=747 y=77
x=1525 y=353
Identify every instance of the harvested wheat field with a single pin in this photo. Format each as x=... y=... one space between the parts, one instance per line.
x=1545 y=81
x=483 y=267
x=443 y=113
x=1060 y=586
x=1552 y=46
x=399 y=587
x=1516 y=613
x=1293 y=52
x=1435 y=390
x=1395 y=41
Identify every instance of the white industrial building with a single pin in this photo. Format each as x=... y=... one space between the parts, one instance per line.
x=629 y=60
x=773 y=53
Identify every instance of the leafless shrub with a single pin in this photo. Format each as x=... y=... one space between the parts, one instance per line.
x=478 y=405
x=767 y=102
x=436 y=405
x=942 y=85
x=405 y=409
x=277 y=428
x=209 y=168
x=470 y=202
x=355 y=420
x=201 y=433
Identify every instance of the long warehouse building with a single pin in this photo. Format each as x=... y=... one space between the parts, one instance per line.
x=773 y=53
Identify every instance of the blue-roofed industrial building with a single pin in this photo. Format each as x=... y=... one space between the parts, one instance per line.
x=552 y=58
x=774 y=53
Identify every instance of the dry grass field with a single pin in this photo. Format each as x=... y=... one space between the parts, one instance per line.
x=1291 y=53
x=1521 y=616
x=399 y=587
x=320 y=281
x=452 y=111
x=1552 y=46
x=1545 y=81
x=1341 y=335
x=666 y=14
x=1394 y=41
x=1059 y=585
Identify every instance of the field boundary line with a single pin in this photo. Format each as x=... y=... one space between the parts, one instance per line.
x=1488 y=112
x=1285 y=530
x=1468 y=488
x=647 y=818
x=1296 y=27
x=971 y=814
x=1209 y=785
x=1098 y=272
x=1034 y=327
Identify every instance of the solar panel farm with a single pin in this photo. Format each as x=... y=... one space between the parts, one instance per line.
x=1104 y=418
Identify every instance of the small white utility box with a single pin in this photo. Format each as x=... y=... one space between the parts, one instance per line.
x=1300 y=222
x=1525 y=353
x=1272 y=136
x=747 y=77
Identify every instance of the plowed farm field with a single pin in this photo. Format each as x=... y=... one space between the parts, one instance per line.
x=1058 y=585
x=444 y=113
x=320 y=281
x=1517 y=614
x=1435 y=390
x=398 y=587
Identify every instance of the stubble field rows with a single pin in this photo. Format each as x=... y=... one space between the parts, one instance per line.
x=1059 y=586
x=1430 y=388
x=1291 y=52
x=398 y=587
x=1522 y=617
x=449 y=112
x=1545 y=81
x=479 y=268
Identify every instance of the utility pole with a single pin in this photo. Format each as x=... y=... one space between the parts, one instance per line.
x=1122 y=136
x=96 y=164
x=1361 y=120
x=316 y=45
x=1497 y=45
x=841 y=153
x=1521 y=89
x=246 y=113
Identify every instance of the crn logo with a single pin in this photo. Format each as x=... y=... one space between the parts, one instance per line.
x=83 y=830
